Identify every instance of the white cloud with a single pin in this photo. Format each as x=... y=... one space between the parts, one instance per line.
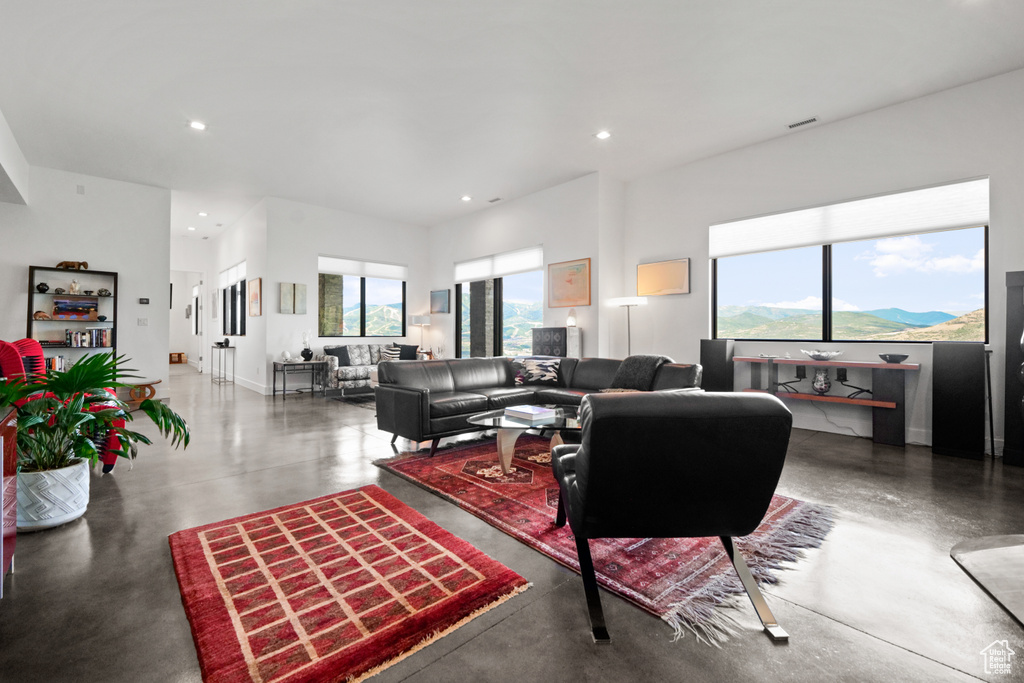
x=812 y=303
x=900 y=254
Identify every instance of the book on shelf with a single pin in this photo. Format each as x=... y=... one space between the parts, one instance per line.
x=531 y=414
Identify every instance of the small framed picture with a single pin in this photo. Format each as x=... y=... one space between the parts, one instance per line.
x=255 y=297
x=440 y=300
x=663 y=277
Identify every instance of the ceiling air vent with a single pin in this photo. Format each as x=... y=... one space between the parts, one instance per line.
x=492 y=201
x=813 y=119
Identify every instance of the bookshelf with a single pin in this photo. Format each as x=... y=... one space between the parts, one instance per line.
x=69 y=325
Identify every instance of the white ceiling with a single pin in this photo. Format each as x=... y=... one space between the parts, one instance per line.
x=396 y=108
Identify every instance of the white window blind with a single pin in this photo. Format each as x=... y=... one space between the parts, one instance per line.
x=499 y=265
x=944 y=207
x=342 y=266
x=232 y=275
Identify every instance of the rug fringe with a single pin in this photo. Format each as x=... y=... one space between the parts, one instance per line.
x=702 y=613
x=437 y=635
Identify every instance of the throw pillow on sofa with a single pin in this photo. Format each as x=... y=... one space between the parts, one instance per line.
x=390 y=353
x=541 y=371
x=359 y=354
x=341 y=352
x=408 y=351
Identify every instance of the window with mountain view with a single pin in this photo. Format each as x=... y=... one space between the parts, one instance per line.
x=498 y=302
x=511 y=304
x=924 y=287
x=356 y=305
x=907 y=266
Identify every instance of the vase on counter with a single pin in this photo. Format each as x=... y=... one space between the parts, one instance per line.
x=821 y=383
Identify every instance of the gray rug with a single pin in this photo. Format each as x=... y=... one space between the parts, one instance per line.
x=366 y=401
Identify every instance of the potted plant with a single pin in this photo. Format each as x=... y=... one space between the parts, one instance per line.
x=65 y=422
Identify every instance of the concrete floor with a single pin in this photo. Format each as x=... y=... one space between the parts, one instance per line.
x=96 y=600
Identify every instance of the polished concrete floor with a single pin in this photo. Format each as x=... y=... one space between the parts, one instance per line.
x=97 y=600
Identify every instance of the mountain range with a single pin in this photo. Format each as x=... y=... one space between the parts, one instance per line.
x=764 y=322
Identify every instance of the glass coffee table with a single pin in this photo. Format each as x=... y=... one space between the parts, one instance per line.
x=509 y=429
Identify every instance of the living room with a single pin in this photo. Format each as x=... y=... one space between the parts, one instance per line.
x=912 y=135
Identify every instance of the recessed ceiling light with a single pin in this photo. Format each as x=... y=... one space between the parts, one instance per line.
x=197 y=125
x=466 y=198
x=191 y=227
x=203 y=213
x=603 y=135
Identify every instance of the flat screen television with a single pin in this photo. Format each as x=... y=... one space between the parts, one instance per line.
x=76 y=308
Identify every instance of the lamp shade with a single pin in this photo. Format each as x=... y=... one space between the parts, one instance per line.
x=628 y=301
x=419 y=319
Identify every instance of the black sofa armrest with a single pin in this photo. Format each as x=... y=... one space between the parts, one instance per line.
x=403 y=410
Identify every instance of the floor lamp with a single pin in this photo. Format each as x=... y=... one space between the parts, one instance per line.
x=628 y=302
x=422 y=321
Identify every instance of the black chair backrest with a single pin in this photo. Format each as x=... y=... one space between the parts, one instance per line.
x=678 y=463
x=422 y=374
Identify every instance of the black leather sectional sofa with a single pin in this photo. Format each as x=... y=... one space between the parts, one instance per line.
x=432 y=399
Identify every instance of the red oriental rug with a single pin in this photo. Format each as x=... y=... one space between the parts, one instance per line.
x=332 y=589
x=682 y=580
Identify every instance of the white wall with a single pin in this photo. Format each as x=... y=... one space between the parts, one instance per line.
x=974 y=130
x=566 y=219
x=245 y=240
x=114 y=226
x=299 y=233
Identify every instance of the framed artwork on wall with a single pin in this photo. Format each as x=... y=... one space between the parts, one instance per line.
x=440 y=300
x=287 y=297
x=663 y=277
x=255 y=297
x=300 y=299
x=569 y=283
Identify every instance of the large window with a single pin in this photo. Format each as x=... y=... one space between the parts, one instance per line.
x=496 y=315
x=925 y=286
x=360 y=298
x=232 y=293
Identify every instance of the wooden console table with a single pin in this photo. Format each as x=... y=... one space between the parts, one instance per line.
x=888 y=390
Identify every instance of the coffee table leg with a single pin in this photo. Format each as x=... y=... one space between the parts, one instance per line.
x=507 y=447
x=556 y=440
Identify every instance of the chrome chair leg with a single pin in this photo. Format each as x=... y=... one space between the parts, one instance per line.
x=764 y=613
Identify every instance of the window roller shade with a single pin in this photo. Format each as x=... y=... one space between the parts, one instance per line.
x=500 y=265
x=944 y=207
x=340 y=266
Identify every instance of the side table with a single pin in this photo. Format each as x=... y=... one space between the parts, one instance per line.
x=218 y=374
x=316 y=369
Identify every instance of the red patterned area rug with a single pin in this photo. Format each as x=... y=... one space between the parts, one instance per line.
x=682 y=580
x=332 y=589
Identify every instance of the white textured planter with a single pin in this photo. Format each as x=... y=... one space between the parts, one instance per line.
x=51 y=498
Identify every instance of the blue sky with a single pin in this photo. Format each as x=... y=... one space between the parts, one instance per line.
x=942 y=271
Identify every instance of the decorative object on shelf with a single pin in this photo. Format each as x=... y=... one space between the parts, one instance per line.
x=223 y=344
x=439 y=300
x=60 y=290
x=306 y=353
x=663 y=277
x=286 y=355
x=570 y=320
x=73 y=265
x=42 y=288
x=255 y=297
x=61 y=421
x=87 y=292
x=821 y=383
x=103 y=291
x=101 y=318
x=41 y=315
x=894 y=357
x=569 y=283
x=628 y=302
x=821 y=355
x=74 y=287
